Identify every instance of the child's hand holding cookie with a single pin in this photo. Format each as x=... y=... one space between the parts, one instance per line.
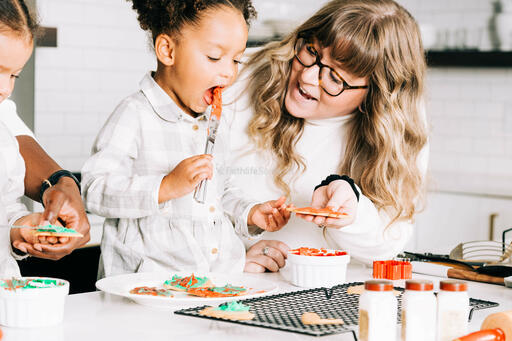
x=23 y=238
x=270 y=216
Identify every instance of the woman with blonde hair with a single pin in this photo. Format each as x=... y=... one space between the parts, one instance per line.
x=342 y=94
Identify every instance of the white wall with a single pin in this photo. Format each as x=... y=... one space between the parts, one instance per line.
x=102 y=54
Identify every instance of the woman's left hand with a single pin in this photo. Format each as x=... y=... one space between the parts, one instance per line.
x=338 y=195
x=266 y=255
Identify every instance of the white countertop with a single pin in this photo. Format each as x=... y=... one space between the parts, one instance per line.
x=98 y=316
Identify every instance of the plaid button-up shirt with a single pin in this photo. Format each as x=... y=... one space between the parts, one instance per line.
x=12 y=173
x=141 y=142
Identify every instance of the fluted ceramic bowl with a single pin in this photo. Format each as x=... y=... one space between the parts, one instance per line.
x=39 y=304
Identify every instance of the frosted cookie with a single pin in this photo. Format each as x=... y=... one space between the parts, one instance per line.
x=23 y=284
x=185 y=283
x=355 y=289
x=359 y=289
x=309 y=318
x=151 y=291
x=324 y=212
x=226 y=291
x=231 y=311
x=56 y=231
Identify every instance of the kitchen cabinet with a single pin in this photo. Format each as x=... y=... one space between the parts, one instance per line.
x=452 y=218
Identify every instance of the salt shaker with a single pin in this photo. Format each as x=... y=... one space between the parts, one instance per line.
x=419 y=309
x=452 y=310
x=377 y=312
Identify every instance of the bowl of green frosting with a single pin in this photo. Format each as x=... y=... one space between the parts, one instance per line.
x=31 y=302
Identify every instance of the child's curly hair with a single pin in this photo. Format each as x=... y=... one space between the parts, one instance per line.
x=169 y=16
x=16 y=17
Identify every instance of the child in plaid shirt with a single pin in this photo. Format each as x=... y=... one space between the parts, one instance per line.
x=148 y=158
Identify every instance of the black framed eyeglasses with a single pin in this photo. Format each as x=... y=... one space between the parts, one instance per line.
x=330 y=80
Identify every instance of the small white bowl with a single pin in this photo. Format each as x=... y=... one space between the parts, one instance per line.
x=315 y=271
x=33 y=307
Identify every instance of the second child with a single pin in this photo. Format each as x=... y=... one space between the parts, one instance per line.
x=147 y=159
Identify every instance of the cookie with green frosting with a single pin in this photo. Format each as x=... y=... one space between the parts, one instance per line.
x=56 y=231
x=186 y=283
x=151 y=291
x=231 y=310
x=225 y=291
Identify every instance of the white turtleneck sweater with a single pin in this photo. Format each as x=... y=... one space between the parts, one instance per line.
x=322 y=147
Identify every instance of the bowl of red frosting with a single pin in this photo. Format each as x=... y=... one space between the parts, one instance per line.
x=316 y=267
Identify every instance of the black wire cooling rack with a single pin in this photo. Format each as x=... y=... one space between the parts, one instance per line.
x=284 y=311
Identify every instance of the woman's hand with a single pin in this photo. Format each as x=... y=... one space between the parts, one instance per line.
x=266 y=255
x=23 y=238
x=338 y=195
x=269 y=216
x=185 y=177
x=63 y=206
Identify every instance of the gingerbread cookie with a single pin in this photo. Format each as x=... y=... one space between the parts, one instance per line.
x=56 y=231
x=309 y=318
x=151 y=291
x=185 y=283
x=231 y=311
x=324 y=212
x=226 y=291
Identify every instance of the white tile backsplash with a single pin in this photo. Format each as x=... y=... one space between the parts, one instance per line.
x=102 y=54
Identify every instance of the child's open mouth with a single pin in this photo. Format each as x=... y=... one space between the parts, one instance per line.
x=208 y=96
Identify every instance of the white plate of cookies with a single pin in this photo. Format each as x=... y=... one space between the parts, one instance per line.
x=185 y=289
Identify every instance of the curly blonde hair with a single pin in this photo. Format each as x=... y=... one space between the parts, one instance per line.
x=377 y=39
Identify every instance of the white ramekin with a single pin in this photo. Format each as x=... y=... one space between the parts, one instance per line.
x=314 y=271
x=30 y=308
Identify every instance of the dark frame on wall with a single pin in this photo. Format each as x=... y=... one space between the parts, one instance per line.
x=461 y=58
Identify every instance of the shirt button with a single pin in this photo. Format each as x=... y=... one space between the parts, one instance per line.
x=212 y=209
x=195 y=127
x=214 y=250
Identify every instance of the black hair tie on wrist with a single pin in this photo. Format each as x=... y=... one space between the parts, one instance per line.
x=334 y=177
x=53 y=179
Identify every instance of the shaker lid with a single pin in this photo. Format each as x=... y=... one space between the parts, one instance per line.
x=378 y=285
x=453 y=285
x=419 y=285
